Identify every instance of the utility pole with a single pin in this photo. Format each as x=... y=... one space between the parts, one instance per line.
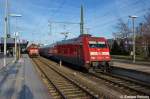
x=141 y=29
x=16 y=33
x=81 y=21
x=50 y=27
x=87 y=30
x=133 y=19
x=6 y=30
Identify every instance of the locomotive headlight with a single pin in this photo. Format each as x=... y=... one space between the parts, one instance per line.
x=105 y=53
x=92 y=57
x=87 y=62
x=93 y=53
x=107 y=57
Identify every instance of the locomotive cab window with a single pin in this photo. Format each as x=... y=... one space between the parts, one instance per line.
x=99 y=44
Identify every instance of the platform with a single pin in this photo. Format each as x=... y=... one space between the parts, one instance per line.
x=21 y=81
x=128 y=64
x=139 y=70
x=9 y=60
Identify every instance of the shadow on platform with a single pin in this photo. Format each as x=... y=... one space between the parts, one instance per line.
x=25 y=93
x=11 y=71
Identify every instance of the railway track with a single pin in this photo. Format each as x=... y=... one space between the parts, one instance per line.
x=132 y=86
x=62 y=87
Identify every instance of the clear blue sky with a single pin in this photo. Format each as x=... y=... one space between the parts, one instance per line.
x=100 y=16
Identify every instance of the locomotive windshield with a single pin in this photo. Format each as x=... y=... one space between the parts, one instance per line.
x=94 y=44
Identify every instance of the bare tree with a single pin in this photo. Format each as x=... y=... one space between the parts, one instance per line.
x=146 y=34
x=123 y=28
x=123 y=35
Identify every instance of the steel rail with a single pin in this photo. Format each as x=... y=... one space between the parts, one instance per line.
x=122 y=82
x=72 y=81
x=62 y=95
x=68 y=79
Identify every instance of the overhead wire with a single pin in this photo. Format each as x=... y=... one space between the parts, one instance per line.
x=71 y=23
x=58 y=9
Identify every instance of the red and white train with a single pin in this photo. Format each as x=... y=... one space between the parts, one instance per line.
x=84 y=51
x=33 y=50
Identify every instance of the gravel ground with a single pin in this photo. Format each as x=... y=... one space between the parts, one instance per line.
x=97 y=87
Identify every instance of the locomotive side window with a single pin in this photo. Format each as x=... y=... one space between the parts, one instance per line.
x=94 y=44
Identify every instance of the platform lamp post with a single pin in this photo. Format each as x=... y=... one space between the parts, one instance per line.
x=16 y=33
x=6 y=31
x=133 y=30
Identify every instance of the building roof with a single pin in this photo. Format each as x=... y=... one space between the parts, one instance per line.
x=12 y=41
x=9 y=41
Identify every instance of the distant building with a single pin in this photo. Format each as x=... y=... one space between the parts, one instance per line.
x=11 y=44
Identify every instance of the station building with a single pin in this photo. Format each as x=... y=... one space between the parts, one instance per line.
x=11 y=44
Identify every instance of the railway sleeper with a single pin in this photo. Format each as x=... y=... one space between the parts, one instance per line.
x=66 y=84
x=54 y=94
x=139 y=88
x=133 y=86
x=121 y=83
x=50 y=87
x=73 y=92
x=63 y=83
x=86 y=97
x=108 y=79
x=53 y=91
x=125 y=83
x=66 y=89
x=57 y=97
x=76 y=95
x=72 y=88
x=60 y=80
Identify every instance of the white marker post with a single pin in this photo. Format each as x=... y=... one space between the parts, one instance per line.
x=60 y=63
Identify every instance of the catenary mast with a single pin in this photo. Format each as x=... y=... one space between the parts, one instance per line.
x=81 y=21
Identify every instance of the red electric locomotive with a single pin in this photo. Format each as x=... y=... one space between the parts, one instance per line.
x=85 y=51
x=33 y=50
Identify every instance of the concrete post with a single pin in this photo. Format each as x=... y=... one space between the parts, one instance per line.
x=60 y=63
